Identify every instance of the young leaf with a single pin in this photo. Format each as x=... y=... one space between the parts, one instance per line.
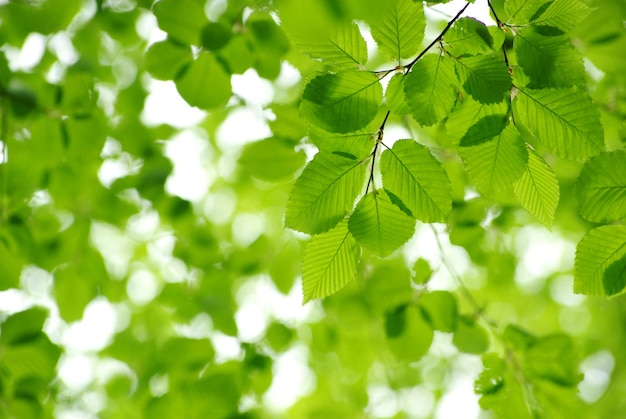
x=563 y=14
x=205 y=83
x=549 y=61
x=602 y=188
x=598 y=251
x=324 y=193
x=538 y=189
x=329 y=262
x=440 y=309
x=414 y=176
x=521 y=11
x=165 y=59
x=399 y=29
x=271 y=159
x=342 y=102
x=343 y=48
x=394 y=95
x=430 y=89
x=468 y=36
x=358 y=144
x=485 y=77
x=496 y=164
x=181 y=19
x=380 y=225
x=565 y=120
x=470 y=337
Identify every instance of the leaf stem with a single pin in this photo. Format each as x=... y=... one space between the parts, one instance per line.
x=379 y=139
x=502 y=26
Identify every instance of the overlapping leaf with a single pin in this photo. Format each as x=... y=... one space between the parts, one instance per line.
x=538 y=189
x=563 y=14
x=380 y=225
x=205 y=83
x=430 y=89
x=468 y=36
x=549 y=61
x=485 y=77
x=342 y=102
x=324 y=193
x=399 y=30
x=418 y=180
x=496 y=164
x=467 y=113
x=343 y=48
x=329 y=262
x=564 y=120
x=597 y=253
x=394 y=96
x=357 y=144
x=181 y=19
x=521 y=11
x=602 y=188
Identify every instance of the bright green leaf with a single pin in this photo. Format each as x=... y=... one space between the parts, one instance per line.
x=469 y=336
x=165 y=59
x=496 y=164
x=485 y=77
x=602 y=188
x=343 y=48
x=215 y=35
x=468 y=36
x=23 y=326
x=380 y=225
x=415 y=338
x=324 y=193
x=598 y=251
x=329 y=263
x=399 y=29
x=549 y=61
x=565 y=120
x=205 y=83
x=422 y=271
x=271 y=159
x=415 y=177
x=563 y=14
x=181 y=19
x=521 y=11
x=342 y=102
x=394 y=95
x=484 y=130
x=467 y=113
x=538 y=189
x=358 y=144
x=430 y=89
x=553 y=358
x=440 y=309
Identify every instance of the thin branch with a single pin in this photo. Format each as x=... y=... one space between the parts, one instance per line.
x=502 y=26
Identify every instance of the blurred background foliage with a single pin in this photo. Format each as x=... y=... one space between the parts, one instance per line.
x=134 y=286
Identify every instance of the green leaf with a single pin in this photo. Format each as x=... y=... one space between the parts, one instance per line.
x=324 y=193
x=343 y=48
x=538 y=189
x=486 y=129
x=181 y=19
x=468 y=36
x=272 y=159
x=440 y=309
x=205 y=83
x=358 y=144
x=565 y=121
x=10 y=268
x=399 y=29
x=549 y=61
x=387 y=286
x=470 y=337
x=553 y=358
x=422 y=271
x=394 y=95
x=563 y=14
x=521 y=11
x=598 y=251
x=468 y=113
x=342 y=102
x=430 y=89
x=23 y=326
x=415 y=339
x=329 y=262
x=496 y=164
x=380 y=225
x=614 y=278
x=165 y=59
x=415 y=177
x=485 y=77
x=215 y=35
x=602 y=188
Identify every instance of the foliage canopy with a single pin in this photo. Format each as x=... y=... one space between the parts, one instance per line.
x=445 y=185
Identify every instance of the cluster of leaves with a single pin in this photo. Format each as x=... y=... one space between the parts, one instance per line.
x=498 y=119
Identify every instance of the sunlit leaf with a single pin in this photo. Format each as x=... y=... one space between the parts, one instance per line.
x=563 y=14
x=440 y=309
x=324 y=193
x=329 y=262
x=602 y=188
x=380 y=225
x=469 y=336
x=415 y=177
x=205 y=83
x=394 y=95
x=564 y=120
x=538 y=189
x=343 y=48
x=342 y=102
x=165 y=59
x=181 y=19
x=271 y=159
x=468 y=36
x=598 y=250
x=414 y=339
x=399 y=29
x=485 y=77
